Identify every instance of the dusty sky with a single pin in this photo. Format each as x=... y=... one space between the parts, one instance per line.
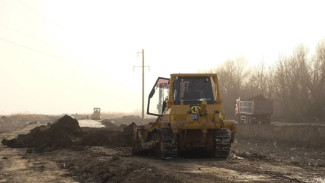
x=68 y=56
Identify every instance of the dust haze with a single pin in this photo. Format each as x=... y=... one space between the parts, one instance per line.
x=71 y=91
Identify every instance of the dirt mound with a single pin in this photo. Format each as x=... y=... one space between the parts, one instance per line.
x=61 y=133
x=108 y=136
x=101 y=137
x=126 y=120
x=109 y=124
x=67 y=132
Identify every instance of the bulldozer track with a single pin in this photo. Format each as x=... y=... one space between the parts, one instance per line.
x=222 y=143
x=164 y=146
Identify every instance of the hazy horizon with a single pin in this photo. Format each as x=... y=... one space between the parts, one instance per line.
x=70 y=56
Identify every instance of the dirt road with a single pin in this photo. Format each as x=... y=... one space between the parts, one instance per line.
x=248 y=163
x=90 y=123
x=102 y=164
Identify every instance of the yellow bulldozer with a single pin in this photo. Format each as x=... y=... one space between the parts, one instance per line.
x=96 y=114
x=190 y=116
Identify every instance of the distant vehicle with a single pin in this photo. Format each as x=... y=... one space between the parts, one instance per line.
x=96 y=114
x=257 y=109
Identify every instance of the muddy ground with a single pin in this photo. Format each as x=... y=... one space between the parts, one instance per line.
x=249 y=162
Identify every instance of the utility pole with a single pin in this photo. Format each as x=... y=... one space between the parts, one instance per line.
x=143 y=66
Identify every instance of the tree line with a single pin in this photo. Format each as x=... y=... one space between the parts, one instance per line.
x=295 y=83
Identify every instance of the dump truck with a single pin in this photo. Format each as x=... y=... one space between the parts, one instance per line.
x=96 y=114
x=189 y=117
x=256 y=109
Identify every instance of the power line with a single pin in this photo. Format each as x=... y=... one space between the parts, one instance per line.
x=24 y=34
x=32 y=49
x=65 y=31
x=33 y=37
x=37 y=12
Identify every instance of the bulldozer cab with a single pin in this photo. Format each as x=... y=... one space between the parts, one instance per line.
x=96 y=110
x=186 y=89
x=193 y=90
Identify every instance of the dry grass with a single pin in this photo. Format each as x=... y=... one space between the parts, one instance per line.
x=296 y=136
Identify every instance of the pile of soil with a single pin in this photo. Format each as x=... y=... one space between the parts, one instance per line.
x=110 y=125
x=66 y=132
x=102 y=137
x=132 y=119
x=112 y=135
x=61 y=133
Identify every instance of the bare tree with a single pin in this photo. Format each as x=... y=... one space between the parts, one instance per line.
x=295 y=83
x=317 y=107
x=232 y=77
